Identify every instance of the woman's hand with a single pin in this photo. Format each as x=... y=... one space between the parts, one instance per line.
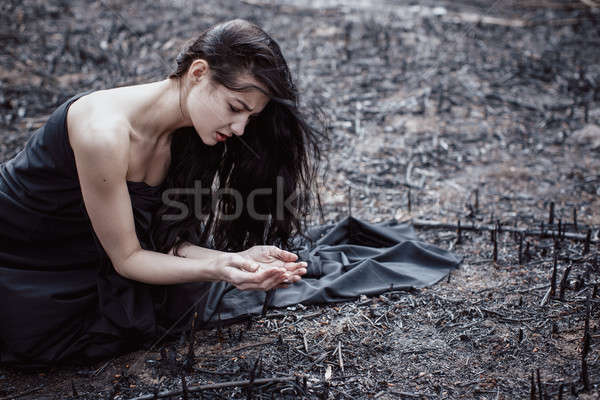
x=261 y=268
x=272 y=256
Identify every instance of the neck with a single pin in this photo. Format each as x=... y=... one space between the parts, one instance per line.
x=160 y=112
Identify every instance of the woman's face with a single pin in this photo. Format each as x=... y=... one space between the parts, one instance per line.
x=218 y=113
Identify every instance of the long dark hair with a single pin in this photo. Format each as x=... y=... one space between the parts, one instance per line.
x=278 y=151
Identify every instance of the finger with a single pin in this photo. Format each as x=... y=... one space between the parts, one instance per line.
x=250 y=266
x=269 y=274
x=295 y=277
x=243 y=263
x=300 y=271
x=294 y=266
x=283 y=254
x=277 y=280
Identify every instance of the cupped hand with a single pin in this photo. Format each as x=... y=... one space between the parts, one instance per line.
x=274 y=257
x=246 y=274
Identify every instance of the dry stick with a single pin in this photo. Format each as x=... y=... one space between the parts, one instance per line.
x=575 y=219
x=586 y=346
x=588 y=239
x=532 y=387
x=349 y=201
x=220 y=385
x=540 y=387
x=563 y=283
x=189 y=360
x=253 y=376
x=546 y=297
x=495 y=257
x=305 y=343
x=551 y=214
x=420 y=223
x=520 y=249
x=542 y=230
x=15 y=396
x=560 y=228
x=520 y=338
x=458 y=234
x=561 y=389
x=554 y=270
x=340 y=356
x=184 y=388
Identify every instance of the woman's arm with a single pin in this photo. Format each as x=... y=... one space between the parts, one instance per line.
x=157 y=268
x=101 y=158
x=264 y=256
x=189 y=250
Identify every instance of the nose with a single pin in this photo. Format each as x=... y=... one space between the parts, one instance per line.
x=238 y=126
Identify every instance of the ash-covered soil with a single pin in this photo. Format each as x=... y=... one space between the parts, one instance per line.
x=483 y=112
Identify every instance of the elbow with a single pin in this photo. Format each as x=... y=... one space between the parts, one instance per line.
x=122 y=265
x=121 y=269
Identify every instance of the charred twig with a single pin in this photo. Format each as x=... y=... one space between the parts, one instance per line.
x=563 y=283
x=520 y=249
x=214 y=386
x=341 y=360
x=349 y=201
x=505 y=318
x=268 y=297
x=184 y=388
x=533 y=288
x=554 y=270
x=540 y=385
x=585 y=378
x=588 y=239
x=495 y=240
x=26 y=392
x=190 y=357
x=426 y=224
x=532 y=387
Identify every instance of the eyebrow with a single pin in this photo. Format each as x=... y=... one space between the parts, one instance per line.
x=245 y=105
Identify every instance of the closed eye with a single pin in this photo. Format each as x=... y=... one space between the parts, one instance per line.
x=237 y=110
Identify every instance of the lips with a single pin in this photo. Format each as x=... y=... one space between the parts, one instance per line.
x=221 y=137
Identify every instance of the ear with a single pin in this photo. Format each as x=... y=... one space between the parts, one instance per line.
x=198 y=70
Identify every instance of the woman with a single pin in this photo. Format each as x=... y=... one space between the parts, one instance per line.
x=96 y=210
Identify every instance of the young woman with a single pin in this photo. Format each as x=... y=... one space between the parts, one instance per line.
x=114 y=198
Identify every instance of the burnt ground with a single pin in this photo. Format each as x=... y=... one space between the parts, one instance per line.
x=483 y=112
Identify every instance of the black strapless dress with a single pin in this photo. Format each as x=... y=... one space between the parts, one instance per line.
x=61 y=299
x=59 y=295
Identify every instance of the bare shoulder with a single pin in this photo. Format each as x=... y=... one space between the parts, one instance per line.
x=95 y=125
x=99 y=136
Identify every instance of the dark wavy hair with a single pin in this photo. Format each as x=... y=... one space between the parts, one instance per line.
x=279 y=148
